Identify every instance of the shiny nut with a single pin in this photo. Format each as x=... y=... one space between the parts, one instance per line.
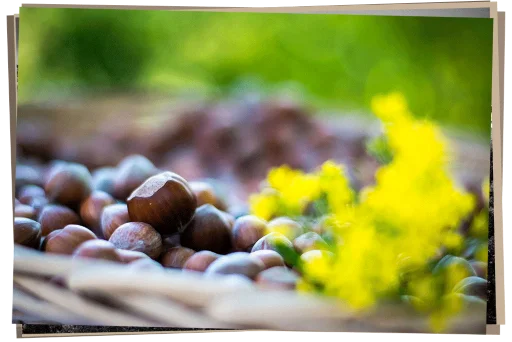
x=54 y=216
x=38 y=203
x=205 y=194
x=480 y=268
x=66 y=240
x=92 y=208
x=103 y=179
x=68 y=184
x=176 y=257
x=22 y=210
x=209 y=230
x=164 y=201
x=246 y=231
x=97 y=249
x=200 y=261
x=171 y=241
x=321 y=225
x=272 y=241
x=309 y=241
x=230 y=219
x=112 y=217
x=278 y=278
x=285 y=226
x=458 y=268
x=472 y=286
x=236 y=263
x=269 y=258
x=131 y=173
x=138 y=236
x=27 y=232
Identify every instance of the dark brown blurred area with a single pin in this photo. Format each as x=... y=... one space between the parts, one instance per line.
x=234 y=142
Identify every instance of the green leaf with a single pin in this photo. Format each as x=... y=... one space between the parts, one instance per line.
x=379 y=148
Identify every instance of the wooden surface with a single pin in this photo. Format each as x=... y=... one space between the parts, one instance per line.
x=105 y=293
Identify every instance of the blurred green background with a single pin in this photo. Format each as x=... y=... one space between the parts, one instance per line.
x=337 y=62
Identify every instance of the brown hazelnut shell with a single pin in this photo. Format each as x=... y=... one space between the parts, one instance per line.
x=165 y=201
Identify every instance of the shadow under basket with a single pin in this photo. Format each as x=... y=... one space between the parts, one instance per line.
x=54 y=289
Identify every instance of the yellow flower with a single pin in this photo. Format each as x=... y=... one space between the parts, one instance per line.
x=389 y=107
x=334 y=183
x=264 y=205
x=480 y=225
x=389 y=229
x=481 y=253
x=486 y=188
x=281 y=177
x=453 y=240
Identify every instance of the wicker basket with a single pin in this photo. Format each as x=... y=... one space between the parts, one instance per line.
x=109 y=294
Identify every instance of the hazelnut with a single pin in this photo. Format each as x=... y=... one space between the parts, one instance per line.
x=458 y=267
x=66 y=240
x=68 y=184
x=164 y=201
x=27 y=232
x=28 y=192
x=320 y=226
x=38 y=203
x=138 y=236
x=26 y=174
x=171 y=241
x=97 y=249
x=103 y=179
x=54 y=216
x=480 y=268
x=246 y=231
x=285 y=226
x=236 y=263
x=51 y=168
x=200 y=261
x=22 y=210
x=112 y=217
x=272 y=241
x=269 y=258
x=176 y=257
x=309 y=241
x=205 y=194
x=279 y=278
x=463 y=301
x=231 y=220
x=127 y=256
x=472 y=286
x=132 y=171
x=208 y=230
x=92 y=207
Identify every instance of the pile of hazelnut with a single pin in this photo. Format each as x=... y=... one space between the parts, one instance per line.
x=148 y=218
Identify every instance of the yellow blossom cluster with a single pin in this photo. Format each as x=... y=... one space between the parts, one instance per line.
x=394 y=227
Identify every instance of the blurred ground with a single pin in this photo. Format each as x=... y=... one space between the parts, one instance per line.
x=236 y=141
